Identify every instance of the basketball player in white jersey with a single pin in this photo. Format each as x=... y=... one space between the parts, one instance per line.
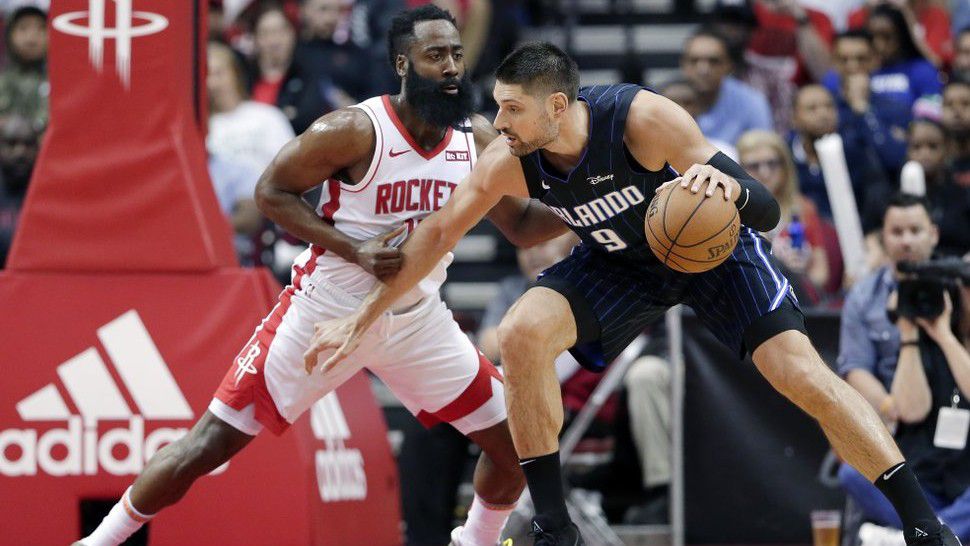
x=387 y=162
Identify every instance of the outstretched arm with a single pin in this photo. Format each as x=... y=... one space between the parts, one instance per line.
x=524 y=222
x=434 y=237
x=658 y=132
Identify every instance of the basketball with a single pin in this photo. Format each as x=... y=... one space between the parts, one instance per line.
x=689 y=232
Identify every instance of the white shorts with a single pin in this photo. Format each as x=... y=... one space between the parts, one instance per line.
x=420 y=353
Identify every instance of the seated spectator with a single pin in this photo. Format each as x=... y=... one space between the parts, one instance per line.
x=327 y=47
x=815 y=117
x=927 y=21
x=908 y=370
x=904 y=74
x=959 y=14
x=956 y=120
x=685 y=95
x=234 y=185
x=647 y=384
x=24 y=89
x=867 y=115
x=282 y=80
x=791 y=44
x=242 y=131
x=765 y=156
x=949 y=202
x=775 y=46
x=19 y=143
x=961 y=59
x=727 y=107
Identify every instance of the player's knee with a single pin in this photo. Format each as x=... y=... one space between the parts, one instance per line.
x=648 y=372
x=515 y=330
x=805 y=379
x=524 y=331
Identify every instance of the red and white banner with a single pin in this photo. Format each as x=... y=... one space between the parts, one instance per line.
x=100 y=371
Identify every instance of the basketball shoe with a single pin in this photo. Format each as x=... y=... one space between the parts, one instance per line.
x=940 y=535
x=545 y=535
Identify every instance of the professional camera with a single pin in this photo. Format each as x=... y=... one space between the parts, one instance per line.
x=921 y=290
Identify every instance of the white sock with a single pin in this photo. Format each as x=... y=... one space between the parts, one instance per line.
x=120 y=523
x=485 y=523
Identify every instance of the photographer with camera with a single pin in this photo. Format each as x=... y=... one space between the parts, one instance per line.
x=899 y=349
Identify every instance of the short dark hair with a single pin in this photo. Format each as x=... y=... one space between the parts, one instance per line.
x=922 y=120
x=955 y=80
x=708 y=31
x=905 y=200
x=662 y=88
x=540 y=66
x=401 y=34
x=907 y=44
x=26 y=11
x=854 y=34
x=962 y=31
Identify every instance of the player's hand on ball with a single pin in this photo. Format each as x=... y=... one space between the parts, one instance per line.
x=695 y=177
x=342 y=334
x=377 y=257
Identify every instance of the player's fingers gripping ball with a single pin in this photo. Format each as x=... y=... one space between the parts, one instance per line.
x=690 y=232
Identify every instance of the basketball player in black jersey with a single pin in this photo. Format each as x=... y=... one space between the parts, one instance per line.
x=595 y=156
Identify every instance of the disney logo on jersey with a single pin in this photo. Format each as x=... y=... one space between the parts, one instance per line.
x=594 y=180
x=415 y=195
x=602 y=208
x=453 y=155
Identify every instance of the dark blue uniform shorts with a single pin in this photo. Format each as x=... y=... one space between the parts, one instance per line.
x=744 y=301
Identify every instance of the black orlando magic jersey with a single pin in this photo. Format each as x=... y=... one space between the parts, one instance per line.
x=604 y=198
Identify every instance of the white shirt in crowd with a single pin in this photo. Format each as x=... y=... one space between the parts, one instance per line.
x=250 y=135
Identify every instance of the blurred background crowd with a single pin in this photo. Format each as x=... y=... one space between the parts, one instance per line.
x=766 y=81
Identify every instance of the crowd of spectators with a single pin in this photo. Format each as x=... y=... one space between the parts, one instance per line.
x=888 y=77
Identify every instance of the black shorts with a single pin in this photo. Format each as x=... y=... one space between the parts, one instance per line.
x=744 y=301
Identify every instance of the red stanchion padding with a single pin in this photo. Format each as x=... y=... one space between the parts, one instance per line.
x=354 y=499
x=121 y=181
x=106 y=369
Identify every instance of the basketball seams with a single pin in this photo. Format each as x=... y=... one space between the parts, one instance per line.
x=720 y=231
x=683 y=226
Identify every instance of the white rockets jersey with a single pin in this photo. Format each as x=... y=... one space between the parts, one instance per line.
x=403 y=185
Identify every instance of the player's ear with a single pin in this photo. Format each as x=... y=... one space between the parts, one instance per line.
x=559 y=103
x=401 y=65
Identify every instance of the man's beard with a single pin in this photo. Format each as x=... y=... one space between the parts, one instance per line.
x=524 y=148
x=435 y=106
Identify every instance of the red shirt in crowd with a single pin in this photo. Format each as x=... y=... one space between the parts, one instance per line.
x=777 y=36
x=266 y=91
x=935 y=21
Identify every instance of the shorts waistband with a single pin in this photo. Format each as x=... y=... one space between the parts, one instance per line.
x=346 y=299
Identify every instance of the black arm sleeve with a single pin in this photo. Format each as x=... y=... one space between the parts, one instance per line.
x=758 y=208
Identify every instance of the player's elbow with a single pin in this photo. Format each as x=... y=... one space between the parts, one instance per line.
x=264 y=195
